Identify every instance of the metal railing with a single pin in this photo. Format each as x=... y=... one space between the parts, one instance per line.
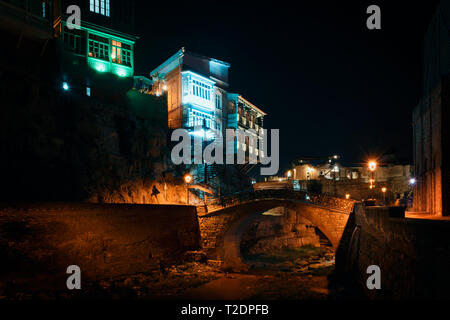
x=283 y=194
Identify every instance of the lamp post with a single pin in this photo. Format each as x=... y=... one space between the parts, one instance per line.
x=187 y=179
x=384 y=189
x=372 y=167
x=289 y=174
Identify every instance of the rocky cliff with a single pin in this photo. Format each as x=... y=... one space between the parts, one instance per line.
x=276 y=229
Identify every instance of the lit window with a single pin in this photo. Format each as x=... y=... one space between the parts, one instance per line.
x=121 y=53
x=88 y=91
x=98 y=47
x=43 y=9
x=100 y=6
x=201 y=90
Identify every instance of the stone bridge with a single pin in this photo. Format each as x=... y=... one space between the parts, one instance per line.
x=223 y=226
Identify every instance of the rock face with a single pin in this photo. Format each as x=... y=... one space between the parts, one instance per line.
x=65 y=146
x=276 y=229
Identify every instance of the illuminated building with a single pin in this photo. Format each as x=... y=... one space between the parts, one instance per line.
x=98 y=55
x=336 y=178
x=196 y=88
x=248 y=118
x=198 y=98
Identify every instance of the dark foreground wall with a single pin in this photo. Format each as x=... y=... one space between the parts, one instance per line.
x=413 y=254
x=38 y=242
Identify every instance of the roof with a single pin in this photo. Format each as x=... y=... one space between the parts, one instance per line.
x=237 y=95
x=179 y=54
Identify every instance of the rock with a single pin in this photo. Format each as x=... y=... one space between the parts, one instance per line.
x=215 y=263
x=197 y=256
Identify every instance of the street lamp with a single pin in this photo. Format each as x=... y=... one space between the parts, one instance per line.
x=372 y=166
x=187 y=179
x=384 y=189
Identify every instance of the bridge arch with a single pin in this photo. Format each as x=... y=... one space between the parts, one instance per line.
x=224 y=228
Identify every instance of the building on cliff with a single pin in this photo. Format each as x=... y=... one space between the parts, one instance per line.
x=97 y=58
x=244 y=116
x=197 y=89
x=73 y=128
x=431 y=120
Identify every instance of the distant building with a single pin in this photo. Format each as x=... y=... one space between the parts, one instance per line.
x=431 y=120
x=332 y=177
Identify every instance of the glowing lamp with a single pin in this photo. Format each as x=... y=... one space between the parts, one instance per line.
x=65 y=86
x=372 y=165
x=412 y=181
x=100 y=67
x=347 y=196
x=188 y=178
x=384 y=189
x=121 y=73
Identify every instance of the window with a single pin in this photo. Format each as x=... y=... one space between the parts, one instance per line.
x=98 y=47
x=200 y=119
x=74 y=40
x=88 y=91
x=100 y=6
x=121 y=53
x=219 y=100
x=43 y=10
x=201 y=90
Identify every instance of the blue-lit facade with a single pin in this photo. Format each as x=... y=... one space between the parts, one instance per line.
x=199 y=100
x=196 y=90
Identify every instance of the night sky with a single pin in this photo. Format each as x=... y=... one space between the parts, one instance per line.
x=327 y=82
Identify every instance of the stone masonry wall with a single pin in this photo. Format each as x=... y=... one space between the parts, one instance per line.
x=39 y=241
x=413 y=254
x=214 y=226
